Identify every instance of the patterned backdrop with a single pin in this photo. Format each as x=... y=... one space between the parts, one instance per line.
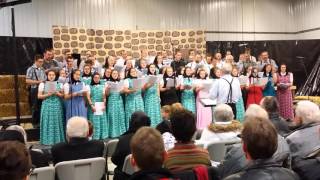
x=110 y=42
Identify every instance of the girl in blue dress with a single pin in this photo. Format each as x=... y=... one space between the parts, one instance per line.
x=152 y=98
x=239 y=103
x=187 y=91
x=133 y=98
x=75 y=92
x=52 y=115
x=269 y=88
x=97 y=100
x=115 y=111
x=86 y=75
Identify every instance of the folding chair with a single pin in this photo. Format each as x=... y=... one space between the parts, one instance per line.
x=44 y=173
x=110 y=147
x=127 y=167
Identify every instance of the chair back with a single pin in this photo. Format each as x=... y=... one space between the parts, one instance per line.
x=217 y=151
x=84 y=169
x=44 y=173
x=127 y=166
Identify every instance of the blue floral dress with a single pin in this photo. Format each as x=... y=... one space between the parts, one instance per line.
x=152 y=105
x=76 y=105
x=187 y=96
x=269 y=88
x=52 y=118
x=133 y=103
x=100 y=124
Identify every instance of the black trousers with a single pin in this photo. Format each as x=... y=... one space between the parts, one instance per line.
x=234 y=109
x=35 y=105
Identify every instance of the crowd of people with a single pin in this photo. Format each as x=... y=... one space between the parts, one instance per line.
x=269 y=148
x=107 y=94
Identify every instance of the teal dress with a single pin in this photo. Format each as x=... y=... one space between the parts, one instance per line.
x=133 y=103
x=86 y=80
x=269 y=88
x=152 y=104
x=240 y=110
x=187 y=97
x=100 y=124
x=115 y=115
x=52 y=119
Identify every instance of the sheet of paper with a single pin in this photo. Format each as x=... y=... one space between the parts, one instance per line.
x=170 y=82
x=137 y=84
x=208 y=102
x=115 y=86
x=260 y=74
x=167 y=62
x=263 y=81
x=119 y=67
x=51 y=86
x=152 y=79
x=150 y=59
x=243 y=80
x=99 y=108
x=207 y=84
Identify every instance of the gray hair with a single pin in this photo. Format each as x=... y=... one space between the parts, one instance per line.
x=77 y=127
x=308 y=111
x=20 y=130
x=255 y=110
x=227 y=68
x=223 y=113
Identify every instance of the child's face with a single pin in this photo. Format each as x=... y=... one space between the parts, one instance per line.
x=133 y=72
x=152 y=69
x=218 y=73
x=51 y=76
x=165 y=115
x=234 y=72
x=62 y=73
x=96 y=78
x=76 y=75
x=188 y=72
x=87 y=69
x=143 y=64
x=115 y=74
x=107 y=73
x=202 y=74
x=169 y=72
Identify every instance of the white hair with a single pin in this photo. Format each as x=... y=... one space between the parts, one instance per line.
x=77 y=127
x=223 y=113
x=227 y=68
x=255 y=110
x=308 y=111
x=20 y=130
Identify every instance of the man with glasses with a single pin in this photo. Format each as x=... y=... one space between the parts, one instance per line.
x=35 y=75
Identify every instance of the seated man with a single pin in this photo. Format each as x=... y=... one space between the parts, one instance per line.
x=304 y=142
x=235 y=160
x=259 y=143
x=17 y=133
x=78 y=145
x=138 y=120
x=148 y=155
x=15 y=161
x=185 y=155
x=271 y=105
x=224 y=127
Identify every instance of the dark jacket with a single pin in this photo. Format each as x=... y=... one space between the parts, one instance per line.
x=264 y=169
x=152 y=174
x=279 y=123
x=177 y=65
x=120 y=153
x=77 y=148
x=164 y=126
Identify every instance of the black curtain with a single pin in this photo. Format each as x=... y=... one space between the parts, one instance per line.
x=300 y=56
x=27 y=48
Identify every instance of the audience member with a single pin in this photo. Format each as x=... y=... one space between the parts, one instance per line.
x=138 y=120
x=78 y=145
x=148 y=155
x=185 y=154
x=15 y=162
x=271 y=105
x=165 y=127
x=224 y=127
x=259 y=143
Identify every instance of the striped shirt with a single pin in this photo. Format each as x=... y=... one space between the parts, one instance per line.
x=186 y=157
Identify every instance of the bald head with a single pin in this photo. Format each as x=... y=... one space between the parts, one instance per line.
x=77 y=127
x=255 y=110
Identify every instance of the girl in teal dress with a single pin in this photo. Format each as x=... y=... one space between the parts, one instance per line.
x=239 y=103
x=133 y=98
x=115 y=110
x=187 y=96
x=86 y=75
x=106 y=76
x=152 y=98
x=95 y=97
x=269 y=88
x=52 y=115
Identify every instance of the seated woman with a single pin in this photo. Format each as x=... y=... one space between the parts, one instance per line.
x=224 y=128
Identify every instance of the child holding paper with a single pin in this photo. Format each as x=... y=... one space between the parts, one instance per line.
x=96 y=110
x=239 y=103
x=187 y=88
x=115 y=111
x=75 y=93
x=204 y=114
x=168 y=88
x=152 y=97
x=106 y=75
x=269 y=89
x=254 y=89
x=133 y=98
x=86 y=76
x=52 y=116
